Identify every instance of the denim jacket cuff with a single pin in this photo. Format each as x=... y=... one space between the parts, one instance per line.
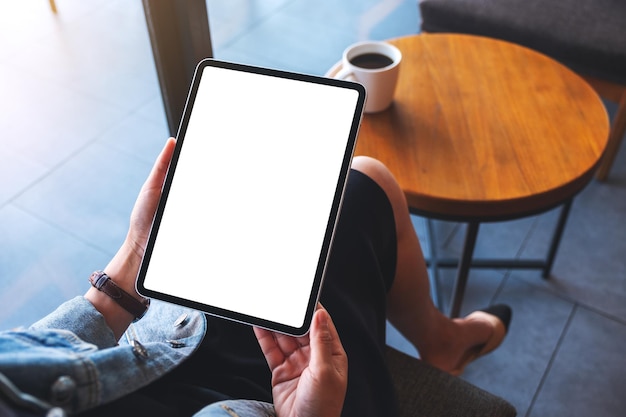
x=72 y=315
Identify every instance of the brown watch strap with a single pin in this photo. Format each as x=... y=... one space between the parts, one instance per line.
x=102 y=282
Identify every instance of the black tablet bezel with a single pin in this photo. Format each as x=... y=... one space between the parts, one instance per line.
x=333 y=215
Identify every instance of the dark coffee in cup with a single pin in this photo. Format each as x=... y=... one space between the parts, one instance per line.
x=371 y=60
x=376 y=66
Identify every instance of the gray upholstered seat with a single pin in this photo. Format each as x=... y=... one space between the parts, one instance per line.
x=424 y=391
x=587 y=35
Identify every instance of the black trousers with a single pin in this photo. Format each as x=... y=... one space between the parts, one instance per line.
x=229 y=363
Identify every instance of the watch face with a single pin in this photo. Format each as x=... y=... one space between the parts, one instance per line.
x=251 y=199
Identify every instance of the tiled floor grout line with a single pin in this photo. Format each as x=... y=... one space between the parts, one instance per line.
x=501 y=286
x=552 y=359
x=58 y=166
x=245 y=31
x=565 y=297
x=527 y=238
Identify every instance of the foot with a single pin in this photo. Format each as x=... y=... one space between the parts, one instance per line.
x=469 y=338
x=498 y=317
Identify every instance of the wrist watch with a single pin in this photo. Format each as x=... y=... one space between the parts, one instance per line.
x=102 y=282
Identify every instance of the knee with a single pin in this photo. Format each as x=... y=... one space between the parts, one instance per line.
x=379 y=172
x=371 y=167
x=376 y=170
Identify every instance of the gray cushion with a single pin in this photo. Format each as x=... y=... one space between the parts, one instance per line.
x=587 y=35
x=424 y=391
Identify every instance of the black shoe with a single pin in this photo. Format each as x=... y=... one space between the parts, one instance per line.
x=499 y=316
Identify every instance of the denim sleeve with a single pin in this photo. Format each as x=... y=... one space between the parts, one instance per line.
x=73 y=316
x=71 y=360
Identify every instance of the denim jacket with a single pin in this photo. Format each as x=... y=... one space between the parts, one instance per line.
x=63 y=365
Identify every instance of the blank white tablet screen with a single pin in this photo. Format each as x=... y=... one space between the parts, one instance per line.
x=252 y=192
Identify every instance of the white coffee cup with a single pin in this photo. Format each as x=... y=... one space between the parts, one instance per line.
x=376 y=66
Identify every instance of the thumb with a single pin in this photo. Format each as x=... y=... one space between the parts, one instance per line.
x=325 y=344
x=328 y=366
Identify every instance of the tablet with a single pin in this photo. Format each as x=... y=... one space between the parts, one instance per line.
x=246 y=219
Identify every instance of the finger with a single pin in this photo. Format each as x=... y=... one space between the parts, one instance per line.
x=276 y=347
x=162 y=163
x=326 y=347
x=148 y=199
x=273 y=355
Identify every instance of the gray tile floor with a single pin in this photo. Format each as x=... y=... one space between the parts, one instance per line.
x=82 y=121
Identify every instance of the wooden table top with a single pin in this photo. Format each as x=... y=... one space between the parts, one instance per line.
x=481 y=129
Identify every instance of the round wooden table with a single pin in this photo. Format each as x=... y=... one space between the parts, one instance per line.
x=484 y=130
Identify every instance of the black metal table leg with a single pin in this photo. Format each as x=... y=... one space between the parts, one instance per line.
x=434 y=265
x=556 y=238
x=464 y=267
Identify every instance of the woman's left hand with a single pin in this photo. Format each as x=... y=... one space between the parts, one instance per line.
x=309 y=373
